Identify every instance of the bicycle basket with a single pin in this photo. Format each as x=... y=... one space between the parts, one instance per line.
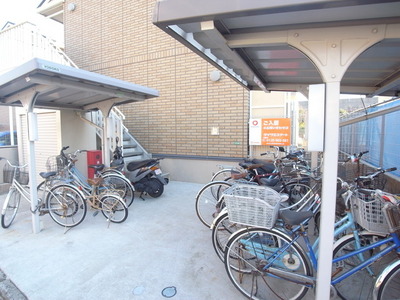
x=56 y=164
x=8 y=173
x=22 y=174
x=252 y=205
x=392 y=215
x=367 y=211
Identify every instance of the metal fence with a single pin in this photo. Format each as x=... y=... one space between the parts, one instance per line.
x=376 y=129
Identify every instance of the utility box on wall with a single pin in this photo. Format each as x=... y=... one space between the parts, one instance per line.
x=94 y=157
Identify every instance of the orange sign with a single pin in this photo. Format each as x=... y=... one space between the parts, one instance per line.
x=272 y=132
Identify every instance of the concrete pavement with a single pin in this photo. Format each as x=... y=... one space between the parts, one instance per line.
x=162 y=244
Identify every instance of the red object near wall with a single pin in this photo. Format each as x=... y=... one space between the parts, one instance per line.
x=94 y=157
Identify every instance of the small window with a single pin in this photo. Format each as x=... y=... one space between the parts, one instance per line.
x=5 y=138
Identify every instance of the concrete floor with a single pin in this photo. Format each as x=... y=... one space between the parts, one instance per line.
x=161 y=244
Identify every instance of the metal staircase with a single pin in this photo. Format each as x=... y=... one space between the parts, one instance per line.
x=132 y=150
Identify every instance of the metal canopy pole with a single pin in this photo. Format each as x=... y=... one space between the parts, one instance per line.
x=29 y=103
x=332 y=50
x=331 y=148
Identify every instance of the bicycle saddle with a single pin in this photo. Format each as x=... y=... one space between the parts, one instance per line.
x=295 y=217
x=97 y=167
x=47 y=174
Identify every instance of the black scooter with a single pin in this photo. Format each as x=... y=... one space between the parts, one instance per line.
x=145 y=176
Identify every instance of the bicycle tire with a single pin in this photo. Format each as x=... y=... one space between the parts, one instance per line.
x=66 y=205
x=222 y=230
x=111 y=171
x=42 y=190
x=113 y=208
x=207 y=199
x=246 y=255
x=362 y=282
x=222 y=175
x=120 y=184
x=389 y=283
x=10 y=207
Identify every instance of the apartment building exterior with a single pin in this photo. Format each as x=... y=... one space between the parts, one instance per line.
x=197 y=116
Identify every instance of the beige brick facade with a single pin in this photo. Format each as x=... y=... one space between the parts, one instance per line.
x=118 y=39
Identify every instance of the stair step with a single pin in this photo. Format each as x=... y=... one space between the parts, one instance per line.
x=136 y=158
x=132 y=152
x=130 y=145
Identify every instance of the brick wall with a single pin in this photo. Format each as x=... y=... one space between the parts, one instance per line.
x=118 y=39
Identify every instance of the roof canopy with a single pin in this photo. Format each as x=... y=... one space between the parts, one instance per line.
x=253 y=41
x=64 y=87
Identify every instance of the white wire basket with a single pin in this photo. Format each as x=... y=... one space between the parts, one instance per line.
x=55 y=164
x=252 y=205
x=368 y=213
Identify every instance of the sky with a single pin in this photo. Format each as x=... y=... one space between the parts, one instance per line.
x=18 y=11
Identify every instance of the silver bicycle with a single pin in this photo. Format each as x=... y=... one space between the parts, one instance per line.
x=63 y=202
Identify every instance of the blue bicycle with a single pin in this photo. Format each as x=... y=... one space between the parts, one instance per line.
x=272 y=264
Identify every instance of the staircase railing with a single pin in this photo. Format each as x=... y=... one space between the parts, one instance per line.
x=117 y=129
x=23 y=42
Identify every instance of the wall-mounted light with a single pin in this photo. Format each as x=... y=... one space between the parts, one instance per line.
x=71 y=6
x=215 y=75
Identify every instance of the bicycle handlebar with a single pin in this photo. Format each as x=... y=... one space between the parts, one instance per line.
x=374 y=174
x=356 y=157
x=11 y=165
x=70 y=156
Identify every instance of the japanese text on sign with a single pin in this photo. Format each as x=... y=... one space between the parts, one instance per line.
x=273 y=132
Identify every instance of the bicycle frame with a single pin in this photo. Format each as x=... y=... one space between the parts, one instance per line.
x=20 y=188
x=79 y=178
x=347 y=222
x=275 y=254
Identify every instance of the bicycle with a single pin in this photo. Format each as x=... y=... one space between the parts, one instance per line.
x=223 y=227
x=295 y=160
x=258 y=260
x=63 y=202
x=109 y=202
x=103 y=193
x=209 y=200
x=67 y=171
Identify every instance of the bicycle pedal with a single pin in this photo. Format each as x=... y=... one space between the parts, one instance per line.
x=95 y=213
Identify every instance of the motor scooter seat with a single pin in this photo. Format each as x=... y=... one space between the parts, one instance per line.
x=133 y=165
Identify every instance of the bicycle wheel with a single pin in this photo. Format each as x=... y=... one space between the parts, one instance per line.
x=222 y=230
x=247 y=254
x=299 y=196
x=112 y=171
x=206 y=201
x=44 y=187
x=222 y=175
x=362 y=282
x=10 y=207
x=66 y=205
x=389 y=283
x=113 y=208
x=119 y=184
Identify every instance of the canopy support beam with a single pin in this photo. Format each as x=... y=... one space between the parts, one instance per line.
x=332 y=52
